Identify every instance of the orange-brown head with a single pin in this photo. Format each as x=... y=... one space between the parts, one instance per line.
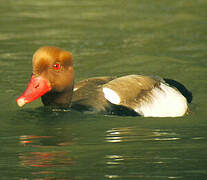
x=52 y=73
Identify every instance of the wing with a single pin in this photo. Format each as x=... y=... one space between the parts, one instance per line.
x=129 y=91
x=88 y=95
x=148 y=96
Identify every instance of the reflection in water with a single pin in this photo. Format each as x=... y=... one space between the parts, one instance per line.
x=119 y=135
x=128 y=134
x=114 y=159
x=121 y=159
x=43 y=157
x=26 y=140
x=164 y=135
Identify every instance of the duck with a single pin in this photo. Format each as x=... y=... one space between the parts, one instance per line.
x=140 y=95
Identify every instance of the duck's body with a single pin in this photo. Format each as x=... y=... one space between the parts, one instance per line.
x=142 y=95
x=147 y=96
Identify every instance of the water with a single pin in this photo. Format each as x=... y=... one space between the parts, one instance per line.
x=164 y=38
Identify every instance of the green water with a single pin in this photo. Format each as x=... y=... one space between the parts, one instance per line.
x=116 y=37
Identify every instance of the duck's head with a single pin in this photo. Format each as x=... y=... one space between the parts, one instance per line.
x=52 y=73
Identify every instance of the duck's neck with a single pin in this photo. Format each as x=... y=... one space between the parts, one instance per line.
x=60 y=99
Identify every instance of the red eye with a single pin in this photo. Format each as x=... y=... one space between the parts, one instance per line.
x=56 y=66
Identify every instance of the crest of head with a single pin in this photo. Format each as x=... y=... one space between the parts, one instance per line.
x=51 y=54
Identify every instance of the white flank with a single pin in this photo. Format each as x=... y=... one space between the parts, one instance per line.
x=165 y=102
x=111 y=95
x=74 y=89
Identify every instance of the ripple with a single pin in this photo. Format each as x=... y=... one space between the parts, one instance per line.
x=131 y=134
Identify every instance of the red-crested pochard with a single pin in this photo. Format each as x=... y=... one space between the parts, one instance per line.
x=53 y=80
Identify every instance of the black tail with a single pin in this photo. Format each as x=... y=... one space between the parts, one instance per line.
x=184 y=91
